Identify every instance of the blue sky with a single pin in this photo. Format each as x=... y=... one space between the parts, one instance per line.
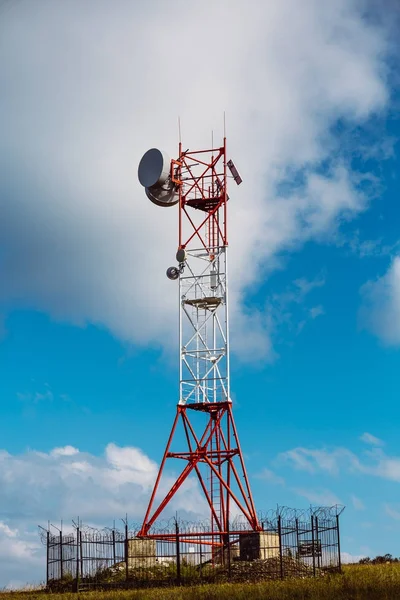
x=88 y=355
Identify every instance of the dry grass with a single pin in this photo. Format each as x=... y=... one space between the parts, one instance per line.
x=358 y=582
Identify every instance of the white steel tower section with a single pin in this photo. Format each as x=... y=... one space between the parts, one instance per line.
x=203 y=326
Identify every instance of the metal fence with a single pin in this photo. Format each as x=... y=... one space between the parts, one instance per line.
x=291 y=543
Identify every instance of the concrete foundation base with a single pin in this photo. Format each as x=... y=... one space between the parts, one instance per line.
x=258 y=545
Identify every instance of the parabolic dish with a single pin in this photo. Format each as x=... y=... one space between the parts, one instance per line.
x=154 y=168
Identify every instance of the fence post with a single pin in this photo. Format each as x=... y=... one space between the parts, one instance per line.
x=280 y=546
x=297 y=539
x=313 y=544
x=338 y=544
x=178 y=554
x=47 y=557
x=317 y=543
x=77 y=559
x=126 y=552
x=229 y=551
x=81 y=557
x=113 y=539
x=61 y=556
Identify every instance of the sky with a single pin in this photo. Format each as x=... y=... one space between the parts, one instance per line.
x=88 y=320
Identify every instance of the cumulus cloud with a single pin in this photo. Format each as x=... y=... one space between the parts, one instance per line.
x=66 y=481
x=38 y=486
x=21 y=556
x=380 y=312
x=87 y=88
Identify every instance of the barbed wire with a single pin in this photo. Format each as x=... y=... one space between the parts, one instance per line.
x=267 y=519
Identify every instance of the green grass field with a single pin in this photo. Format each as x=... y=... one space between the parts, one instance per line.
x=358 y=582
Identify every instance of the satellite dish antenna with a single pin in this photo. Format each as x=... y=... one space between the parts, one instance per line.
x=155 y=176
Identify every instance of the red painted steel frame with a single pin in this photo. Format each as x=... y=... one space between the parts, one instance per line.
x=216 y=447
x=205 y=191
x=201 y=179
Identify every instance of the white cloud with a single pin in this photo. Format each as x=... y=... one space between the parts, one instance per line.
x=314 y=460
x=21 y=554
x=373 y=462
x=368 y=438
x=80 y=483
x=6 y=531
x=380 y=312
x=65 y=482
x=65 y=451
x=85 y=92
x=299 y=459
x=388 y=467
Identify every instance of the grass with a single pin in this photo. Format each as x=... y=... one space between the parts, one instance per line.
x=358 y=582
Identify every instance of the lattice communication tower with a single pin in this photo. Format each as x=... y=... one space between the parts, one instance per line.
x=197 y=182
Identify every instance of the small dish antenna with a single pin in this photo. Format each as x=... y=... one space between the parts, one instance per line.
x=154 y=174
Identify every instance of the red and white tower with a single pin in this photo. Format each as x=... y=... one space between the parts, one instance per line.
x=197 y=182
